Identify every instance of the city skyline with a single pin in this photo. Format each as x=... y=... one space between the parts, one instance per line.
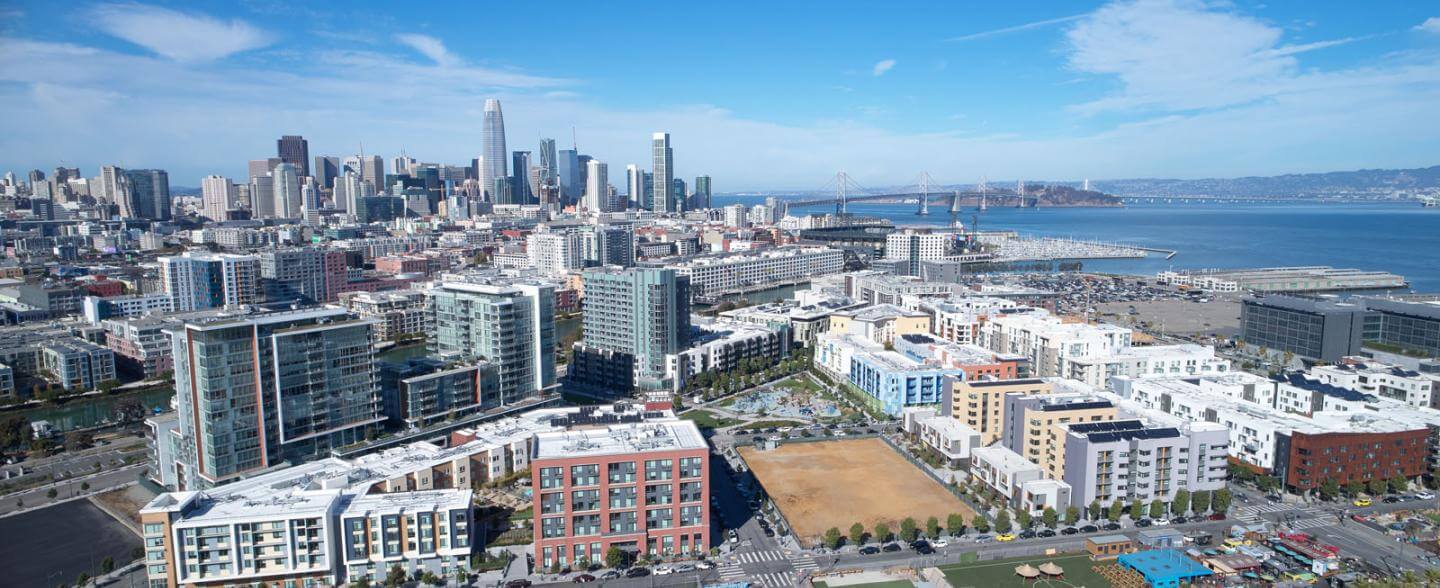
x=1224 y=91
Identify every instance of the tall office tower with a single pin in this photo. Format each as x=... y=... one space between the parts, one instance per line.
x=537 y=181
x=285 y=186
x=554 y=253
x=197 y=281
x=350 y=191
x=310 y=275
x=511 y=324
x=113 y=185
x=253 y=392
x=294 y=150
x=569 y=170
x=149 y=194
x=262 y=196
x=664 y=170
x=597 y=198
x=520 y=177
x=635 y=186
x=263 y=167
x=35 y=177
x=327 y=168
x=492 y=147
x=372 y=169
x=548 y=162
x=633 y=318
x=403 y=165
x=681 y=200
x=701 y=200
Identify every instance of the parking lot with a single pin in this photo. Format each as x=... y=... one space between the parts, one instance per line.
x=54 y=545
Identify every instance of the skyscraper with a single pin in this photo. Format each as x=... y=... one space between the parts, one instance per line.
x=217 y=195
x=114 y=187
x=294 y=150
x=548 y=163
x=492 y=148
x=255 y=391
x=372 y=169
x=701 y=200
x=520 y=177
x=664 y=170
x=262 y=167
x=569 y=170
x=197 y=281
x=149 y=193
x=597 y=187
x=635 y=186
x=681 y=202
x=326 y=170
x=262 y=196
x=633 y=318
x=285 y=190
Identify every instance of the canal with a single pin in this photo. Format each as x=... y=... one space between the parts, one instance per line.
x=88 y=412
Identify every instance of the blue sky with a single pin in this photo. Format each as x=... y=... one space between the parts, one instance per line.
x=760 y=95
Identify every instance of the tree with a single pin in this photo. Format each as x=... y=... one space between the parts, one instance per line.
x=1377 y=485
x=107 y=565
x=1002 y=521
x=77 y=440
x=614 y=558
x=52 y=493
x=980 y=524
x=15 y=432
x=1398 y=484
x=1181 y=503
x=1025 y=519
x=1137 y=510
x=1220 y=502
x=1267 y=483
x=909 y=529
x=1049 y=517
x=1072 y=514
x=396 y=577
x=857 y=534
x=430 y=578
x=82 y=579
x=1329 y=489
x=84 y=486
x=361 y=582
x=1157 y=509
x=1095 y=510
x=832 y=537
x=955 y=524
x=1117 y=509
x=932 y=527
x=1354 y=489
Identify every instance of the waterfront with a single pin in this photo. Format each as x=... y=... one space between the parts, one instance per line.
x=1402 y=238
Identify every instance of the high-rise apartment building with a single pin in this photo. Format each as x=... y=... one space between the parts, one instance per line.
x=554 y=253
x=253 y=391
x=196 y=281
x=303 y=274
x=634 y=317
x=492 y=148
x=217 y=195
x=149 y=194
x=912 y=246
x=635 y=187
x=597 y=187
x=294 y=150
x=510 y=324
x=664 y=170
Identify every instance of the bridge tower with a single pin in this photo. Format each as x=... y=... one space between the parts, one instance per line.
x=841 y=178
x=924 y=182
x=984 y=189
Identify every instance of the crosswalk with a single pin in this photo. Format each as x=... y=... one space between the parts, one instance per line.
x=759 y=556
x=776 y=579
x=730 y=571
x=1314 y=523
x=733 y=570
x=1305 y=518
x=805 y=564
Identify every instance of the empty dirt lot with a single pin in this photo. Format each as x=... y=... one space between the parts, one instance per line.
x=838 y=483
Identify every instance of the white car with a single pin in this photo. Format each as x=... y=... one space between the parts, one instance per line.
x=1423 y=495
x=938 y=543
x=704 y=564
x=1161 y=522
x=664 y=570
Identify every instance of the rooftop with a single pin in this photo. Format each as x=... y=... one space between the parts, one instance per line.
x=620 y=439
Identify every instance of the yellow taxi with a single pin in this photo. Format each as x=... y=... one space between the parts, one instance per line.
x=1005 y=537
x=1361 y=502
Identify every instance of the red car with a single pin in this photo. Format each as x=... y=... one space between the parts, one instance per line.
x=1219 y=516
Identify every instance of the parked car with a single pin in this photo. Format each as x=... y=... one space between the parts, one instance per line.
x=1026 y=534
x=1069 y=531
x=869 y=550
x=1144 y=523
x=1111 y=526
x=733 y=536
x=939 y=543
x=1089 y=529
x=637 y=572
x=1046 y=533
x=518 y=583
x=611 y=575
x=704 y=565
x=1161 y=522
x=1391 y=499
x=664 y=570
x=1425 y=495
x=1179 y=521
x=891 y=547
x=1004 y=537
x=1361 y=502
x=1219 y=516
x=583 y=579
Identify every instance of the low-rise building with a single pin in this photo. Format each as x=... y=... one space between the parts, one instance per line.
x=1130 y=460
x=880 y=323
x=980 y=404
x=77 y=364
x=720 y=346
x=948 y=437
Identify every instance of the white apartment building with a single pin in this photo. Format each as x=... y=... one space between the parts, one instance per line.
x=1381 y=379
x=730 y=273
x=1050 y=343
x=397 y=312
x=1186 y=359
x=554 y=253
x=947 y=436
x=910 y=247
x=958 y=319
x=197 y=280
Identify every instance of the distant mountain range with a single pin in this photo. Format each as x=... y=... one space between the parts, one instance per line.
x=1365 y=183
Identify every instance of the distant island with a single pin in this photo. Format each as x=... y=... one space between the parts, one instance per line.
x=1365 y=184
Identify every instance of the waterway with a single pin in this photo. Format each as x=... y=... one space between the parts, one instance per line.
x=1402 y=238
x=89 y=412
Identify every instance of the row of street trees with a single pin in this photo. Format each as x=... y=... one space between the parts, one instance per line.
x=909 y=530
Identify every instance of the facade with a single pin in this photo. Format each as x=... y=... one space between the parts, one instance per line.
x=1034 y=425
x=880 y=323
x=720 y=346
x=1186 y=359
x=96 y=309
x=713 y=276
x=597 y=187
x=77 y=364
x=307 y=274
x=254 y=391
x=294 y=150
x=492 y=150
x=948 y=437
x=980 y=404
x=634 y=318
x=1388 y=381
x=896 y=381
x=554 y=253
x=1413 y=326
x=396 y=313
x=512 y=325
x=196 y=281
x=424 y=391
x=1129 y=460
x=149 y=194
x=642 y=488
x=1307 y=327
x=217 y=197
x=701 y=199
x=910 y=247
x=1051 y=343
x=663 y=164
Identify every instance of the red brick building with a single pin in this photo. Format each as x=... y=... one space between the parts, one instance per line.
x=643 y=488
x=1353 y=457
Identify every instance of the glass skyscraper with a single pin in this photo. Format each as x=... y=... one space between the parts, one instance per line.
x=664 y=170
x=511 y=325
x=633 y=318
x=492 y=149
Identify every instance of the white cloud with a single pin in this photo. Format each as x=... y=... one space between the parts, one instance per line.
x=1431 y=25
x=882 y=66
x=430 y=47
x=179 y=36
x=1015 y=29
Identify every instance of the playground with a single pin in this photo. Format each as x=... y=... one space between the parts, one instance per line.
x=796 y=397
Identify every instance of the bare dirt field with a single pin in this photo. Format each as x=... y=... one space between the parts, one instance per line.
x=839 y=483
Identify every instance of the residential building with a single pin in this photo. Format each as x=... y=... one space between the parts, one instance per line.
x=554 y=253
x=1051 y=343
x=1389 y=381
x=880 y=323
x=308 y=275
x=1034 y=425
x=721 y=274
x=510 y=323
x=77 y=364
x=196 y=280
x=909 y=247
x=425 y=391
x=663 y=164
x=948 y=437
x=634 y=318
x=396 y=313
x=980 y=403
x=720 y=346
x=1130 y=460
x=597 y=188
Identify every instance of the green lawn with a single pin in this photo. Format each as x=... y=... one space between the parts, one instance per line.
x=708 y=420
x=772 y=423
x=890 y=584
x=1001 y=573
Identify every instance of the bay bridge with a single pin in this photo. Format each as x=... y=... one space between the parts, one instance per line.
x=923 y=192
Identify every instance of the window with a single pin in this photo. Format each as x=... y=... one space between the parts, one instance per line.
x=585 y=475
x=588 y=524
x=583 y=500
x=623 y=522
x=691 y=467
x=659 y=518
x=623 y=497
x=552 y=477
x=621 y=473
x=659 y=494
x=552 y=527
x=658 y=469
x=552 y=503
x=691 y=515
x=691 y=491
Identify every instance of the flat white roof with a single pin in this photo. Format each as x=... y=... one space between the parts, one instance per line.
x=619 y=439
